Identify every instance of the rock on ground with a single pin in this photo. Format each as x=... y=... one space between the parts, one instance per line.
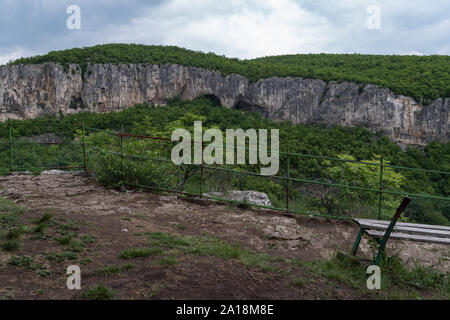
x=252 y=197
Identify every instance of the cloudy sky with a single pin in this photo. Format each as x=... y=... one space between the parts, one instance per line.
x=235 y=28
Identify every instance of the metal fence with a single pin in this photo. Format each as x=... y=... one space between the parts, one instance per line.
x=84 y=158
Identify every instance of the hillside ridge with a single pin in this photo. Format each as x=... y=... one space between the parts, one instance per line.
x=424 y=78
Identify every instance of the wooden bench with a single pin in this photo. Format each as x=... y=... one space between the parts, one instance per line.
x=382 y=230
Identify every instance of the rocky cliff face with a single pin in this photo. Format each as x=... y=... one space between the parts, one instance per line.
x=28 y=91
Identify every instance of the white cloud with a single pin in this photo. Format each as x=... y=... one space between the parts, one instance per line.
x=237 y=28
x=13 y=55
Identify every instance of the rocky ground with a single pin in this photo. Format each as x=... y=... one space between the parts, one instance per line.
x=114 y=221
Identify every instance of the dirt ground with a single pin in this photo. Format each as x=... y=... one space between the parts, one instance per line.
x=117 y=220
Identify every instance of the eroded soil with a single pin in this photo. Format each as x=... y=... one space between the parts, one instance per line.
x=111 y=221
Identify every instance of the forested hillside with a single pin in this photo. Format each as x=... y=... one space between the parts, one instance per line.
x=337 y=142
x=424 y=78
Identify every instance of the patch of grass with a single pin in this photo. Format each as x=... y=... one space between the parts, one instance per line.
x=44 y=219
x=76 y=246
x=299 y=282
x=66 y=240
x=40 y=228
x=86 y=261
x=418 y=277
x=11 y=245
x=211 y=246
x=13 y=234
x=112 y=269
x=61 y=256
x=7 y=296
x=70 y=225
x=19 y=261
x=167 y=239
x=40 y=269
x=99 y=292
x=180 y=227
x=155 y=289
x=168 y=261
x=140 y=253
x=343 y=268
x=397 y=282
x=88 y=239
x=27 y=262
x=39 y=235
x=9 y=212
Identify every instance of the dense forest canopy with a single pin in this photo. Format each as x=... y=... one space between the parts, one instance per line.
x=424 y=78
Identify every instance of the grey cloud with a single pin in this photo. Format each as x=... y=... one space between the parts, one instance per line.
x=37 y=26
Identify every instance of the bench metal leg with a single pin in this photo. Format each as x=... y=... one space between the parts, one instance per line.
x=382 y=246
x=358 y=240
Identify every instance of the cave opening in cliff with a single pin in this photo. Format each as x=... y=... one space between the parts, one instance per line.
x=213 y=98
x=245 y=106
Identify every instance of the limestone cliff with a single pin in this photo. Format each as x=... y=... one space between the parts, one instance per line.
x=28 y=91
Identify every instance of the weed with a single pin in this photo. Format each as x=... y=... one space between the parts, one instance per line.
x=99 y=292
x=140 y=253
x=13 y=234
x=111 y=269
x=44 y=219
x=19 y=261
x=86 y=261
x=40 y=228
x=299 y=282
x=76 y=246
x=167 y=239
x=9 y=212
x=11 y=245
x=88 y=239
x=168 y=261
x=70 y=225
x=40 y=269
x=61 y=256
x=64 y=240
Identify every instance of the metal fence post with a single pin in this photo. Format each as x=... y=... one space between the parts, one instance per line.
x=201 y=173
x=84 y=147
x=121 y=150
x=380 y=196
x=287 y=177
x=11 y=168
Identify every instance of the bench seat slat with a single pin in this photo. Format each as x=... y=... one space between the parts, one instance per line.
x=426 y=232
x=406 y=236
x=403 y=224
